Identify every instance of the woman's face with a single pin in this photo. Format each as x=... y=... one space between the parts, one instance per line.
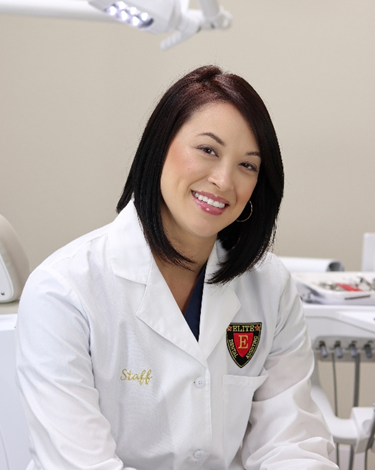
x=209 y=174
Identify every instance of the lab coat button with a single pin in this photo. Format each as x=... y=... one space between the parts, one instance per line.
x=199 y=382
x=198 y=454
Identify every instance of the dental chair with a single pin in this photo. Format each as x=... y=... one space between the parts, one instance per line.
x=14 y=270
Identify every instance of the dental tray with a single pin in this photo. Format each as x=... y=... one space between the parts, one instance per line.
x=336 y=288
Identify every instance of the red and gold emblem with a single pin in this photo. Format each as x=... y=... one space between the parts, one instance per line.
x=242 y=341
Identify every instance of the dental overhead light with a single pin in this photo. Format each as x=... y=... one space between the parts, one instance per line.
x=154 y=16
x=162 y=16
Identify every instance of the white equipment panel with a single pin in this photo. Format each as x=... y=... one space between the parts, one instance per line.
x=344 y=332
x=342 y=327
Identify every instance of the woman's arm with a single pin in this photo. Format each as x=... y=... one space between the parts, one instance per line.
x=287 y=429
x=54 y=372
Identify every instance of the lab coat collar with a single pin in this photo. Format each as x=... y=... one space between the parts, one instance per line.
x=130 y=255
x=131 y=258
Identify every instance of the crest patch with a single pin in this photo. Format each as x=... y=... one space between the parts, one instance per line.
x=242 y=341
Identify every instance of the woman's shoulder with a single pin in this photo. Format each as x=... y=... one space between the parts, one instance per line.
x=268 y=276
x=272 y=262
x=68 y=261
x=93 y=252
x=82 y=245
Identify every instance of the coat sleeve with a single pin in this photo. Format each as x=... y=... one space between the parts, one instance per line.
x=54 y=374
x=287 y=430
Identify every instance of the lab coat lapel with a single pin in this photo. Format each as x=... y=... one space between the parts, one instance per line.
x=160 y=312
x=219 y=306
x=131 y=259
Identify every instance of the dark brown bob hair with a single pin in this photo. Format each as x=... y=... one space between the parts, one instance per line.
x=245 y=243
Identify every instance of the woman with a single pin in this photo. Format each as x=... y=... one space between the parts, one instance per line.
x=170 y=339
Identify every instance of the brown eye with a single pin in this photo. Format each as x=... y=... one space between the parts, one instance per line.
x=249 y=166
x=207 y=150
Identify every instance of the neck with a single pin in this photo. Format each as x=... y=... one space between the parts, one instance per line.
x=171 y=271
x=198 y=251
x=181 y=281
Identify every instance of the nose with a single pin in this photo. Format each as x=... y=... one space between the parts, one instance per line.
x=222 y=177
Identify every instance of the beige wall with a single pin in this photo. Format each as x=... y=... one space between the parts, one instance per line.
x=74 y=97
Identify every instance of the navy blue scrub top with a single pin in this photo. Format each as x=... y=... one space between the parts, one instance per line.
x=193 y=311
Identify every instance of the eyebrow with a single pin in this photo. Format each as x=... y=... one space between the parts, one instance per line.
x=215 y=137
x=221 y=142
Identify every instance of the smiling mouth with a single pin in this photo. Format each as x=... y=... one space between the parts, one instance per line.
x=208 y=201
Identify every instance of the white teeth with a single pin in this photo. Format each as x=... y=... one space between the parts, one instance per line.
x=211 y=202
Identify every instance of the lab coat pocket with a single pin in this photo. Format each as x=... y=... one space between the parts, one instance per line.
x=238 y=392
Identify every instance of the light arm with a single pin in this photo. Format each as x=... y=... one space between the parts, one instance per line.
x=68 y=9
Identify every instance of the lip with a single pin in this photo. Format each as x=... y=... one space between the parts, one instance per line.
x=213 y=196
x=209 y=209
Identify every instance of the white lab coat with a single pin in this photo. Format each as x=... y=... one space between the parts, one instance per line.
x=111 y=376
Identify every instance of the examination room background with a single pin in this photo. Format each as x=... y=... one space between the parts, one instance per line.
x=75 y=96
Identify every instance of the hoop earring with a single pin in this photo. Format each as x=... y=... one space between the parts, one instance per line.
x=248 y=217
